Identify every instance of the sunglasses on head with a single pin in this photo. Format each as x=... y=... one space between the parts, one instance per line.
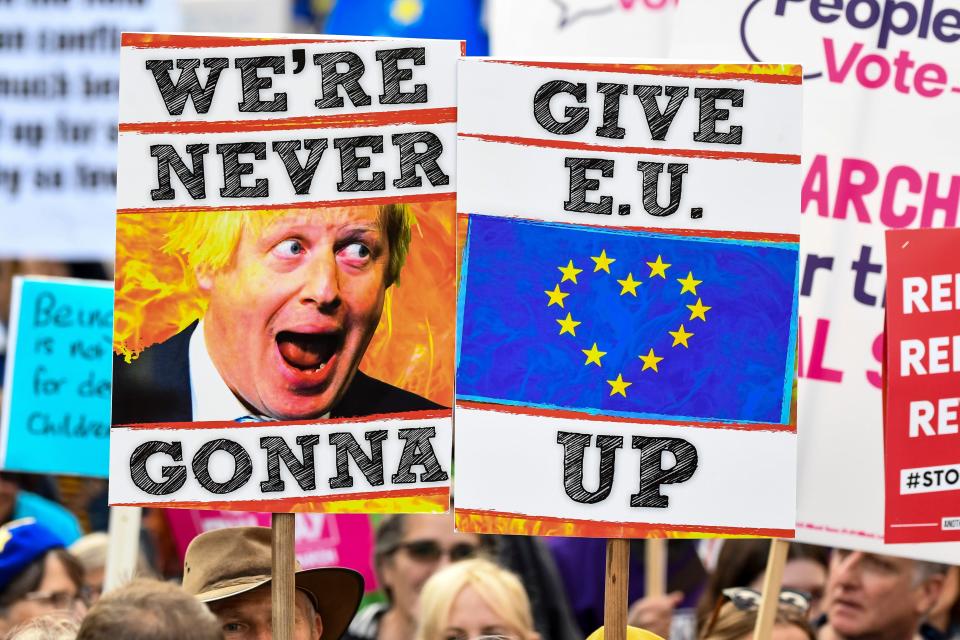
x=747 y=599
x=431 y=551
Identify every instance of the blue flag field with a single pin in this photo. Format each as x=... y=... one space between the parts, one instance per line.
x=627 y=323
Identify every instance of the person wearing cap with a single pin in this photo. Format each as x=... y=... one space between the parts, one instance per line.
x=37 y=575
x=229 y=570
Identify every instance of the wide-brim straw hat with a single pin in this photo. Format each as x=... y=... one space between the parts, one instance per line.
x=223 y=563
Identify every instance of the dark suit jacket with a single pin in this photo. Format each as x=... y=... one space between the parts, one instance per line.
x=156 y=388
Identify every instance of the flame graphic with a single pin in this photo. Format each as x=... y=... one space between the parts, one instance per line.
x=413 y=348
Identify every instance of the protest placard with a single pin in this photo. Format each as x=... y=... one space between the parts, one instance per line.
x=58 y=122
x=56 y=400
x=322 y=539
x=922 y=386
x=876 y=156
x=628 y=298
x=285 y=258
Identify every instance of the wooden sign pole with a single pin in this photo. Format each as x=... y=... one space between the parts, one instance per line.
x=123 y=549
x=284 y=565
x=772 y=580
x=655 y=567
x=615 y=601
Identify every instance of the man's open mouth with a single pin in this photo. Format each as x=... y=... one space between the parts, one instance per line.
x=307 y=351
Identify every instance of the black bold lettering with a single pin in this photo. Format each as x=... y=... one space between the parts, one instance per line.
x=234 y=170
x=303 y=472
x=349 y=79
x=418 y=450
x=301 y=176
x=574 y=447
x=188 y=83
x=173 y=477
x=347 y=447
x=393 y=75
x=611 y=109
x=168 y=157
x=410 y=158
x=252 y=83
x=580 y=184
x=576 y=117
x=351 y=163
x=710 y=114
x=242 y=466
x=659 y=122
x=651 y=178
x=652 y=473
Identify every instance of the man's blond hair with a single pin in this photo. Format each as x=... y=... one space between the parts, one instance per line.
x=208 y=240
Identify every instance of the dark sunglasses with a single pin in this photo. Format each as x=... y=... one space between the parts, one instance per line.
x=747 y=599
x=431 y=551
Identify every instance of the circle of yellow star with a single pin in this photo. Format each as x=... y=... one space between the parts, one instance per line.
x=619 y=385
x=650 y=361
x=602 y=262
x=569 y=272
x=680 y=336
x=593 y=355
x=568 y=324
x=698 y=310
x=659 y=268
x=629 y=285
x=689 y=284
x=556 y=296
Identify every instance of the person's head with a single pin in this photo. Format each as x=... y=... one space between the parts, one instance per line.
x=294 y=297
x=229 y=570
x=946 y=612
x=742 y=562
x=149 y=610
x=91 y=552
x=37 y=575
x=474 y=598
x=876 y=596
x=52 y=626
x=408 y=549
x=736 y=623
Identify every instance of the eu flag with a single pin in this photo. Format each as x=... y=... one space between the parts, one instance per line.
x=627 y=323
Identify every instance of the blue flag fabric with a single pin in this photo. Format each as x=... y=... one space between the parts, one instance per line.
x=627 y=323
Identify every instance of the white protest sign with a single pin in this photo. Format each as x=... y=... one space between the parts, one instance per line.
x=881 y=83
x=628 y=224
x=284 y=202
x=58 y=122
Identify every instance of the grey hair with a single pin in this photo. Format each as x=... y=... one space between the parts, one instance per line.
x=925 y=570
x=53 y=626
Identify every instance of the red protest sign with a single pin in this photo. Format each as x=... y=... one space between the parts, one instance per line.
x=922 y=386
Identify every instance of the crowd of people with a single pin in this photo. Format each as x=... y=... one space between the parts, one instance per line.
x=440 y=584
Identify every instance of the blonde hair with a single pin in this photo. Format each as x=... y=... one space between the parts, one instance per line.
x=209 y=239
x=500 y=589
x=732 y=623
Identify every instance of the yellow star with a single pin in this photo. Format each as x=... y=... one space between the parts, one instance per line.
x=680 y=336
x=593 y=355
x=659 y=268
x=556 y=296
x=698 y=310
x=619 y=385
x=568 y=324
x=689 y=284
x=629 y=285
x=602 y=262
x=569 y=272
x=650 y=361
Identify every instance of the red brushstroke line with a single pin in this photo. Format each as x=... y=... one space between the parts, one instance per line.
x=440 y=115
x=175 y=41
x=282 y=505
x=580 y=415
x=604 y=529
x=758 y=236
x=767 y=158
x=230 y=424
x=351 y=202
x=680 y=71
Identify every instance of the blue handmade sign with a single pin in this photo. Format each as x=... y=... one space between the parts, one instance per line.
x=56 y=400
